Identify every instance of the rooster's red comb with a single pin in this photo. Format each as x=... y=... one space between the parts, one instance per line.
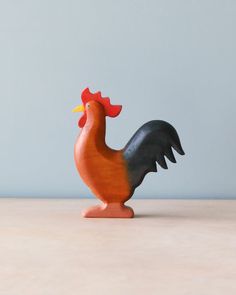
x=110 y=110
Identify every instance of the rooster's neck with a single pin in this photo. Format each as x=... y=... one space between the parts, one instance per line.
x=94 y=130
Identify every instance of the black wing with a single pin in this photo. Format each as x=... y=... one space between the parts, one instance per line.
x=150 y=144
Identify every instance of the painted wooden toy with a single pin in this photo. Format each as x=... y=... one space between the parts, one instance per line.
x=113 y=175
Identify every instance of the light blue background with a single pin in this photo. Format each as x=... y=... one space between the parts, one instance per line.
x=171 y=60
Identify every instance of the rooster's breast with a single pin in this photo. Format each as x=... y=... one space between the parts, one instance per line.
x=103 y=170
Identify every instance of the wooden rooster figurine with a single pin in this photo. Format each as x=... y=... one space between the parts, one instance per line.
x=112 y=175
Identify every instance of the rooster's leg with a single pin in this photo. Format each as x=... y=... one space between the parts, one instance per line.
x=109 y=210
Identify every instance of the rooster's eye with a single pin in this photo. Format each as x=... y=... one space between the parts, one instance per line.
x=88 y=106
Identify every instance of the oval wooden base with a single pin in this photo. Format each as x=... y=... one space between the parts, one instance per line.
x=112 y=210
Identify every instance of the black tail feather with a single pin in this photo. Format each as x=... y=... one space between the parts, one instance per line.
x=162 y=162
x=150 y=144
x=169 y=154
x=178 y=148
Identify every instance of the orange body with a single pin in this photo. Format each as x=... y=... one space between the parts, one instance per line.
x=102 y=168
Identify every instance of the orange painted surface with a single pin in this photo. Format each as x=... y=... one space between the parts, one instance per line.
x=102 y=168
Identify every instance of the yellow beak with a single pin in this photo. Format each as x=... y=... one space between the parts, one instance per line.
x=78 y=109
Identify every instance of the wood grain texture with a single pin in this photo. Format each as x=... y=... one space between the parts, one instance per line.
x=173 y=247
x=102 y=168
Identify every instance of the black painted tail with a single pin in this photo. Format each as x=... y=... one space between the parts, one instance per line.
x=150 y=144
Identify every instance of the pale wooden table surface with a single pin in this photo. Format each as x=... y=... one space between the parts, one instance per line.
x=172 y=247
